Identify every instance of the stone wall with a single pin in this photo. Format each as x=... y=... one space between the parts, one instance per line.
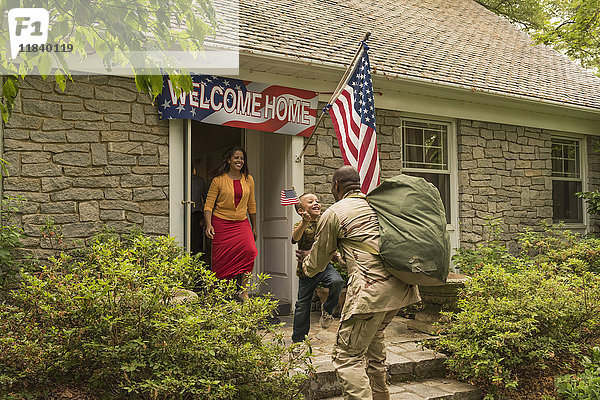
x=503 y=172
x=94 y=156
x=593 y=147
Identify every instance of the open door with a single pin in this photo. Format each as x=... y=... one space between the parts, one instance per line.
x=269 y=158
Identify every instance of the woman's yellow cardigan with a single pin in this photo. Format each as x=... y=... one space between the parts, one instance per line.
x=220 y=199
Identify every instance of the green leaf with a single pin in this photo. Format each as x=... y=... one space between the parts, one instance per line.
x=61 y=80
x=44 y=64
x=10 y=88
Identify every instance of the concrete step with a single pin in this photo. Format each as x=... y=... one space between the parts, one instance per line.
x=432 y=389
x=406 y=361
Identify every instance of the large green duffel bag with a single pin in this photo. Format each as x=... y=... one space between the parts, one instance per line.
x=414 y=243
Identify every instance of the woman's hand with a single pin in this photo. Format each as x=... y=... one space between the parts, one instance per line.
x=254 y=233
x=210 y=231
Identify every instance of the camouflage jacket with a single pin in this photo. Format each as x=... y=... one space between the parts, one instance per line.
x=370 y=287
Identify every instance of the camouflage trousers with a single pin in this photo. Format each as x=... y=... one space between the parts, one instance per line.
x=359 y=356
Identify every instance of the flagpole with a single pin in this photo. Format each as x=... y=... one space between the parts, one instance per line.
x=336 y=93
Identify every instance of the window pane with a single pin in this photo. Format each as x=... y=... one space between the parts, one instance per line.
x=414 y=136
x=565 y=158
x=440 y=181
x=556 y=151
x=432 y=138
x=425 y=145
x=556 y=166
x=566 y=206
x=434 y=155
x=413 y=153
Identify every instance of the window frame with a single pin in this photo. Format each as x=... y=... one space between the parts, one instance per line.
x=452 y=165
x=583 y=177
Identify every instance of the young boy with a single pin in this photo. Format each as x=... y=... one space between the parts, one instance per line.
x=304 y=234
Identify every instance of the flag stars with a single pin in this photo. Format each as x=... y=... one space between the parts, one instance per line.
x=166 y=104
x=180 y=108
x=226 y=82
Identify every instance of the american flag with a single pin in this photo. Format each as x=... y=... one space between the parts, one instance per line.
x=288 y=197
x=353 y=115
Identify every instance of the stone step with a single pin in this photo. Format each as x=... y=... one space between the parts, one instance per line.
x=432 y=389
x=406 y=361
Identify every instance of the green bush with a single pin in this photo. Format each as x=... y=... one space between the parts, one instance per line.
x=10 y=240
x=106 y=323
x=583 y=386
x=470 y=261
x=511 y=321
x=567 y=251
x=523 y=312
x=592 y=199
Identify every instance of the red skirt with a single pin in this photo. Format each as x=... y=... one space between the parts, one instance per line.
x=233 y=248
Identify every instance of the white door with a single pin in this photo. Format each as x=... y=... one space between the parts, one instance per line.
x=270 y=162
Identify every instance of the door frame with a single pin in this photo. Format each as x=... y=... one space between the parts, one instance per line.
x=180 y=184
x=177 y=180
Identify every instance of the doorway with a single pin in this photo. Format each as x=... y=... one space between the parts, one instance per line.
x=208 y=145
x=271 y=163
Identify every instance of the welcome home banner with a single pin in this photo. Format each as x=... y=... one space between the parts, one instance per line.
x=242 y=104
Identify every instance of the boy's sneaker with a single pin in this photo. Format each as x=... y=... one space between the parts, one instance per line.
x=326 y=319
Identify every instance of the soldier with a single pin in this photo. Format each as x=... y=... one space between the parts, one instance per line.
x=373 y=296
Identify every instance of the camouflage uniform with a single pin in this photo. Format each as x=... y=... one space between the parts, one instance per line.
x=373 y=296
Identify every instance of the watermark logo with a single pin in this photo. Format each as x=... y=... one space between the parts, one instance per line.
x=27 y=26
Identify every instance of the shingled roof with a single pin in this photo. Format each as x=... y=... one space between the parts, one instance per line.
x=450 y=42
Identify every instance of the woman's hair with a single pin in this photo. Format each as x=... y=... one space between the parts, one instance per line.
x=224 y=167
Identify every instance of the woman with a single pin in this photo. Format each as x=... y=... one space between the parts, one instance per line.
x=230 y=199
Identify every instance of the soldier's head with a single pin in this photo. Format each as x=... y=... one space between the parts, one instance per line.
x=345 y=179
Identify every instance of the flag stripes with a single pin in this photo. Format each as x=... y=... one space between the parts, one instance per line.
x=288 y=197
x=353 y=116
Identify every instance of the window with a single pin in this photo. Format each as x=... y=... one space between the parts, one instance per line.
x=425 y=154
x=566 y=180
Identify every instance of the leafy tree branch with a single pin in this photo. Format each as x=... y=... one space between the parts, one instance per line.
x=117 y=31
x=570 y=26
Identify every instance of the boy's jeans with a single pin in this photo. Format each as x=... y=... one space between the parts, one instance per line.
x=306 y=288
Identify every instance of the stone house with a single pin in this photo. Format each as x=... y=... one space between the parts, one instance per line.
x=505 y=129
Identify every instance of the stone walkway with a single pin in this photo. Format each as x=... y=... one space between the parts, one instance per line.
x=322 y=340
x=414 y=373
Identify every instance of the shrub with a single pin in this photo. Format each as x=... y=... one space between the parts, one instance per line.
x=470 y=261
x=567 y=251
x=10 y=240
x=106 y=323
x=523 y=312
x=583 y=386
x=511 y=321
x=592 y=199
